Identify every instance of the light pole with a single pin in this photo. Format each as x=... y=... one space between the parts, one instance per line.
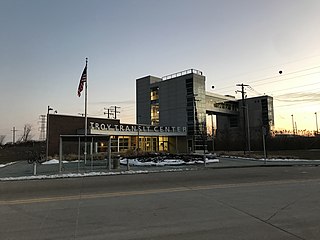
x=138 y=144
x=47 y=142
x=212 y=132
x=264 y=133
x=316 y=122
x=212 y=129
x=248 y=126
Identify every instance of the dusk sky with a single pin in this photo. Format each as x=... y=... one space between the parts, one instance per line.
x=44 y=45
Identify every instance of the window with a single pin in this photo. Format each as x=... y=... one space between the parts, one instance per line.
x=154 y=100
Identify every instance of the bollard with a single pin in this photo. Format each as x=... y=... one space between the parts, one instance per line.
x=35 y=168
x=128 y=166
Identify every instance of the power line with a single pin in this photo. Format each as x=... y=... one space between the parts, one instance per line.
x=108 y=112
x=300 y=95
x=290 y=73
x=305 y=85
x=253 y=90
x=114 y=110
x=278 y=80
x=272 y=67
x=297 y=103
x=282 y=80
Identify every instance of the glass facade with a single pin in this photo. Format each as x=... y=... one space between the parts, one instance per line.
x=267 y=112
x=196 y=113
x=154 y=103
x=125 y=143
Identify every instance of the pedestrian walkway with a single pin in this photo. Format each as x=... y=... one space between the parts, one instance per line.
x=23 y=169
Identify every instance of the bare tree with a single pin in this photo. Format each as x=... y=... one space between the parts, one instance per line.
x=2 y=137
x=26 y=133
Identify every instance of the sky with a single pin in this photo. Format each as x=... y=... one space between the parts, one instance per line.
x=43 y=46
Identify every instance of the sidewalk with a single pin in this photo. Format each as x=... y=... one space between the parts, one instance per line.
x=22 y=170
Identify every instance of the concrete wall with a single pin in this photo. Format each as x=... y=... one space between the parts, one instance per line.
x=172 y=102
x=68 y=125
x=256 y=114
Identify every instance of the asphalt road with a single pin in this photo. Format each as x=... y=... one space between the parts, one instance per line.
x=233 y=203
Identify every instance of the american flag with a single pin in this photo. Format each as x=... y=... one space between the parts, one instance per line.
x=83 y=79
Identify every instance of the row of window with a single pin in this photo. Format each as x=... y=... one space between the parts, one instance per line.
x=154 y=100
x=124 y=143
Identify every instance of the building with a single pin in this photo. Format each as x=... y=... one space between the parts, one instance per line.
x=177 y=99
x=247 y=125
x=181 y=99
x=173 y=114
x=66 y=134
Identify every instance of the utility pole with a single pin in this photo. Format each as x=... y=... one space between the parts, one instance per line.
x=244 y=114
x=115 y=111
x=108 y=112
x=14 y=134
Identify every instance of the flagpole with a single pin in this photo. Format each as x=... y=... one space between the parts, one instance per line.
x=85 y=115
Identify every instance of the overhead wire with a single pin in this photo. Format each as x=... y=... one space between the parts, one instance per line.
x=295 y=104
x=282 y=80
x=278 y=80
x=305 y=85
x=275 y=66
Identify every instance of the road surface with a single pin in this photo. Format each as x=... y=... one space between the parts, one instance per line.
x=233 y=203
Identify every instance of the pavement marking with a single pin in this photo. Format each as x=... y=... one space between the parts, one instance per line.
x=151 y=191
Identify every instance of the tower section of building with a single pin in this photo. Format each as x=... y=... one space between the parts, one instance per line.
x=174 y=100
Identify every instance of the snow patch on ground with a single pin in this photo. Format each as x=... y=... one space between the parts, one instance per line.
x=7 y=164
x=271 y=159
x=56 y=161
x=152 y=163
x=164 y=162
x=90 y=174
x=287 y=160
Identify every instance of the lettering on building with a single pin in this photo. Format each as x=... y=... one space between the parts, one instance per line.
x=135 y=128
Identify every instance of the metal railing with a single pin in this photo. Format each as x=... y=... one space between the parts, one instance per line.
x=179 y=74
